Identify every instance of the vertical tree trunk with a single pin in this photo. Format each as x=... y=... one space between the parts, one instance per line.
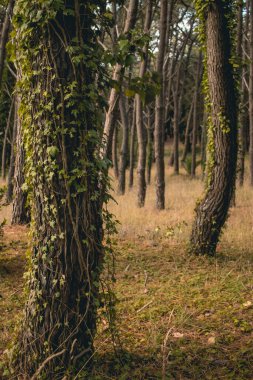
x=132 y=145
x=251 y=95
x=61 y=103
x=117 y=75
x=243 y=115
x=124 y=146
x=115 y=153
x=159 y=113
x=6 y=132
x=10 y=184
x=141 y=130
x=149 y=146
x=4 y=36
x=212 y=212
x=187 y=133
x=195 y=117
x=20 y=211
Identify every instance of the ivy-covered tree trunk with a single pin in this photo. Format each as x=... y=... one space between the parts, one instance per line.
x=212 y=211
x=59 y=60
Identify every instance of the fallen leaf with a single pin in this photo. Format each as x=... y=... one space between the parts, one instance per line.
x=177 y=335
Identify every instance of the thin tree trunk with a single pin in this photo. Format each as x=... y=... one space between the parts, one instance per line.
x=251 y=95
x=124 y=146
x=115 y=153
x=212 y=212
x=117 y=75
x=20 y=211
x=150 y=150
x=132 y=146
x=243 y=115
x=6 y=132
x=159 y=113
x=195 y=117
x=141 y=130
x=187 y=132
x=4 y=37
x=10 y=184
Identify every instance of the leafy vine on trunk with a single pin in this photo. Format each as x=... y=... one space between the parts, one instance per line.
x=61 y=74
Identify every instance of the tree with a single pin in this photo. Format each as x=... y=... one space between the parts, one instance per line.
x=60 y=67
x=212 y=211
x=251 y=95
x=141 y=132
x=159 y=112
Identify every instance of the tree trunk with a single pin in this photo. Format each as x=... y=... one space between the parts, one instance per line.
x=6 y=132
x=243 y=115
x=132 y=145
x=4 y=37
x=20 y=211
x=159 y=113
x=115 y=153
x=141 y=130
x=117 y=75
x=251 y=95
x=195 y=117
x=61 y=103
x=124 y=146
x=212 y=212
x=10 y=183
x=187 y=133
x=149 y=147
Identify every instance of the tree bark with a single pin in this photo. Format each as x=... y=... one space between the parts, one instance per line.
x=5 y=140
x=195 y=117
x=212 y=212
x=251 y=95
x=141 y=130
x=20 y=211
x=132 y=148
x=243 y=115
x=61 y=103
x=4 y=37
x=115 y=153
x=117 y=75
x=159 y=113
x=124 y=146
x=10 y=183
x=150 y=150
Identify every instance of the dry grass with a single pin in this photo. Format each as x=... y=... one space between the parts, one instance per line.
x=181 y=195
x=179 y=317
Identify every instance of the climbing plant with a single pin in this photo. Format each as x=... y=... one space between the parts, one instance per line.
x=60 y=80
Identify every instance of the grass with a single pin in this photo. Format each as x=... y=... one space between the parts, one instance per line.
x=179 y=317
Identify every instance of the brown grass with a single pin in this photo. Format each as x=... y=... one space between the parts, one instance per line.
x=191 y=317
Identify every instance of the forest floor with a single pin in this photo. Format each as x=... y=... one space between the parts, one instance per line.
x=178 y=316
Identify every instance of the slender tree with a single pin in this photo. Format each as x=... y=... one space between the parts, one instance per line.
x=141 y=131
x=59 y=60
x=159 y=112
x=212 y=211
x=251 y=95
